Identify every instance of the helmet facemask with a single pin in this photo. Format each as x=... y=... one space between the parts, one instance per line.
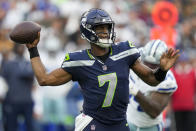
x=107 y=41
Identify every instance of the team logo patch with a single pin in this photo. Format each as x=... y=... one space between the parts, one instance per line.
x=131 y=44
x=67 y=57
x=93 y=127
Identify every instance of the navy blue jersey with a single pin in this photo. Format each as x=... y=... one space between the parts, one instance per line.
x=104 y=84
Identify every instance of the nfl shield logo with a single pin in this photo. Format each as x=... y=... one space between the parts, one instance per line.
x=104 y=67
x=92 y=127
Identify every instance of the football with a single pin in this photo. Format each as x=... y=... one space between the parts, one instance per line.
x=25 y=32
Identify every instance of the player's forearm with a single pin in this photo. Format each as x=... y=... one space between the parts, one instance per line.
x=37 y=65
x=151 y=79
x=38 y=69
x=155 y=77
x=148 y=75
x=151 y=107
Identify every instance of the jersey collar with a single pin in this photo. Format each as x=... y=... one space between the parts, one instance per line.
x=92 y=57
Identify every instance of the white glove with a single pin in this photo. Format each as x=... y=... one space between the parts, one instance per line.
x=133 y=90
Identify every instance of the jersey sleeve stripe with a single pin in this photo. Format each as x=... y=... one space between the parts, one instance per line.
x=167 y=90
x=78 y=63
x=124 y=54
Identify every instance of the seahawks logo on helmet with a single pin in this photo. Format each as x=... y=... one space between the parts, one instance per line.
x=92 y=18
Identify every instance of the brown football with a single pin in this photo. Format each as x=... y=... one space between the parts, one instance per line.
x=25 y=32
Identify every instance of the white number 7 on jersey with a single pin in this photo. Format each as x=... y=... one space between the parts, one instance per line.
x=112 y=79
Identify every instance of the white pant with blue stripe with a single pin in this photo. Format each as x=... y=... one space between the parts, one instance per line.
x=158 y=127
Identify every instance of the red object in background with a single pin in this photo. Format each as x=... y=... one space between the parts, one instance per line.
x=165 y=13
x=164 y=118
x=165 y=17
x=183 y=98
x=167 y=34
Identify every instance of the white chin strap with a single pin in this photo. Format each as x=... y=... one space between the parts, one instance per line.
x=104 y=43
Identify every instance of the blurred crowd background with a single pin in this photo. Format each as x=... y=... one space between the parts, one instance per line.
x=54 y=108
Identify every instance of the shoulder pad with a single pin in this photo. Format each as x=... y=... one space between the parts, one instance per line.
x=74 y=56
x=77 y=59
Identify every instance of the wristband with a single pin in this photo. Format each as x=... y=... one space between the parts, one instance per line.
x=160 y=74
x=33 y=52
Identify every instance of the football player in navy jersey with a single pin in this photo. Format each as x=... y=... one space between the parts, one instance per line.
x=102 y=72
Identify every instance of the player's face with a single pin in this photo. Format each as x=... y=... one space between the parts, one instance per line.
x=102 y=31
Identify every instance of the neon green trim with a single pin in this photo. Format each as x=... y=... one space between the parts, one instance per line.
x=110 y=50
x=131 y=44
x=89 y=54
x=67 y=57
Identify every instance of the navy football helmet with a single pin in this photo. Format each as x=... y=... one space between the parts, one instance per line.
x=92 y=18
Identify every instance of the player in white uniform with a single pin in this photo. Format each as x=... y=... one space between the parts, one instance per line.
x=146 y=102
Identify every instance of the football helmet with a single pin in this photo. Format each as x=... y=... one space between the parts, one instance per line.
x=153 y=50
x=92 y=18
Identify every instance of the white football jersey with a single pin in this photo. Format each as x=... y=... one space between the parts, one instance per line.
x=135 y=114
